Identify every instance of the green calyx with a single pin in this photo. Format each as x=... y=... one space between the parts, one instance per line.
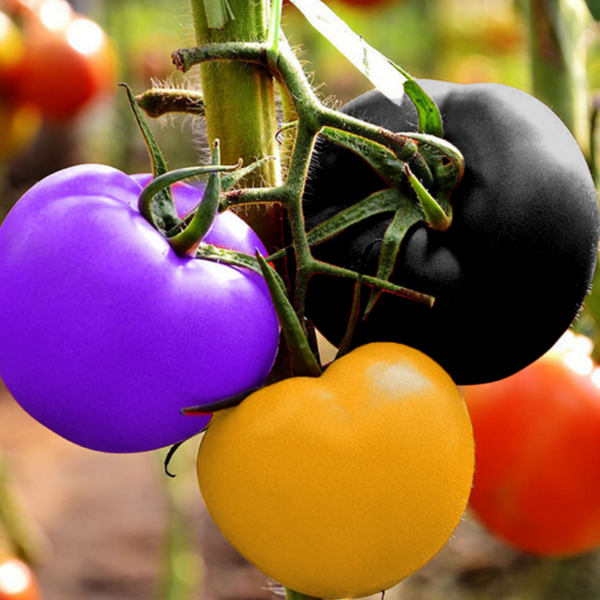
x=187 y=234
x=434 y=214
x=186 y=242
x=304 y=361
x=161 y=211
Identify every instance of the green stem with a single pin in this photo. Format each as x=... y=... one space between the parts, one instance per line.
x=304 y=361
x=303 y=147
x=312 y=117
x=157 y=102
x=400 y=144
x=376 y=282
x=274 y=32
x=240 y=104
x=558 y=61
x=593 y=137
x=346 y=343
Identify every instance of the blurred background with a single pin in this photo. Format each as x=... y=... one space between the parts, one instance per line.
x=99 y=527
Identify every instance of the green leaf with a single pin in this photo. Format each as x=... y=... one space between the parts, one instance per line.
x=370 y=62
x=218 y=13
x=430 y=119
x=161 y=212
x=303 y=359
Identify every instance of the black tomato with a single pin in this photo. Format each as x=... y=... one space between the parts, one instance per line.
x=513 y=269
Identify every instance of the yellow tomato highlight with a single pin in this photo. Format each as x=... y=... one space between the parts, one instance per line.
x=343 y=485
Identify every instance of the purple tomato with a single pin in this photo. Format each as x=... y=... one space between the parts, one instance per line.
x=105 y=332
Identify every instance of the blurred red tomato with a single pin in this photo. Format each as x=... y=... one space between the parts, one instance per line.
x=68 y=61
x=537 y=439
x=17 y=581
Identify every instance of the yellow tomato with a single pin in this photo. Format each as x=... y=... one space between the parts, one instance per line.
x=341 y=486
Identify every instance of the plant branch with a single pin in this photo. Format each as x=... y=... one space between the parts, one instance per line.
x=388 y=152
x=158 y=102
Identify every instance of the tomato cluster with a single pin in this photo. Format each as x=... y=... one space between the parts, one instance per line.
x=55 y=64
x=338 y=485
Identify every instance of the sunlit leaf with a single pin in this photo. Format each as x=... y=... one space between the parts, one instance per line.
x=370 y=62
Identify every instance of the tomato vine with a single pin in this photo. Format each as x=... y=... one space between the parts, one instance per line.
x=389 y=153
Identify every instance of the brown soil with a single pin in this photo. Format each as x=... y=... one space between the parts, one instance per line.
x=100 y=523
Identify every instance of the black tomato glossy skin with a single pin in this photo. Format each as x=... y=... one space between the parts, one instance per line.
x=511 y=272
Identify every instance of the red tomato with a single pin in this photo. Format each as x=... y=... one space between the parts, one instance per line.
x=68 y=63
x=17 y=581
x=537 y=436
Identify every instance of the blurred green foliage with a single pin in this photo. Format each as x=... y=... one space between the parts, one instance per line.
x=145 y=34
x=457 y=40
x=594 y=6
